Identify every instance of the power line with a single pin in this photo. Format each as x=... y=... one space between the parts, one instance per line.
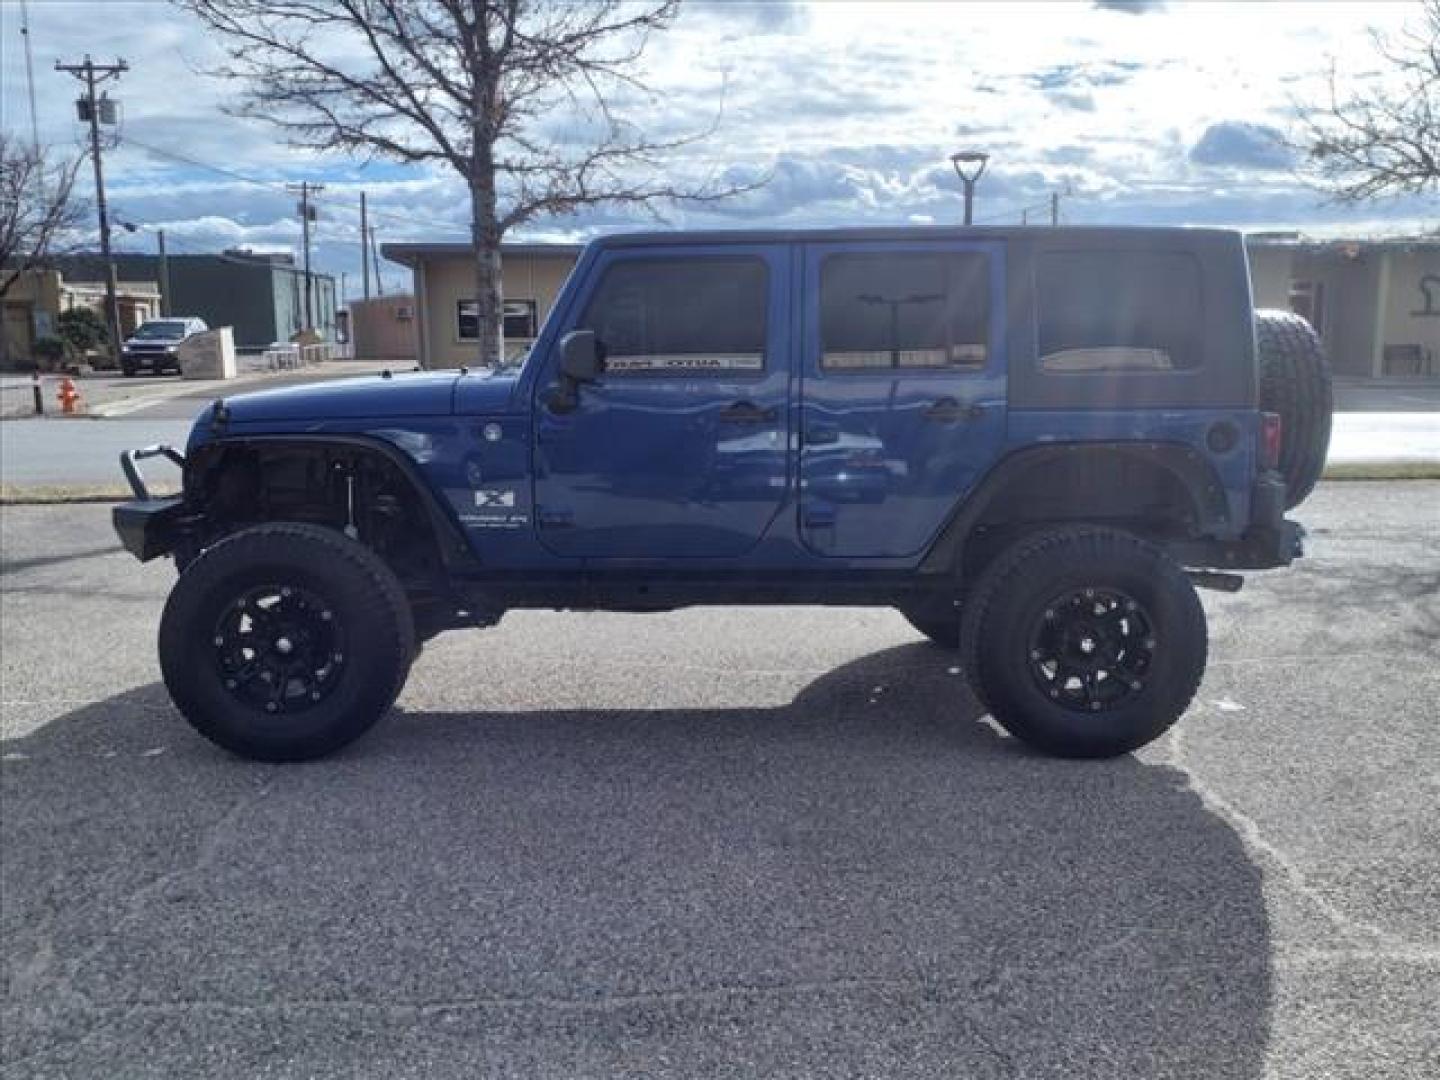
x=274 y=185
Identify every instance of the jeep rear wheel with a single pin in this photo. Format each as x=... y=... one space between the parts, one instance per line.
x=285 y=641
x=1084 y=642
x=1295 y=382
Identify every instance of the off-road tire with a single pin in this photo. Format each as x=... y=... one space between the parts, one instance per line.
x=940 y=622
x=364 y=606
x=1295 y=382
x=1010 y=604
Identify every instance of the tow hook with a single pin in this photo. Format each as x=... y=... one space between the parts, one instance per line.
x=1213 y=579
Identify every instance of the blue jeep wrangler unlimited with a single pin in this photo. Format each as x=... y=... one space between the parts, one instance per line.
x=1033 y=443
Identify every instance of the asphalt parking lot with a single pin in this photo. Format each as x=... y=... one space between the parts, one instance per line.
x=730 y=843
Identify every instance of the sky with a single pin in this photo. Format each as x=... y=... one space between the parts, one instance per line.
x=1140 y=113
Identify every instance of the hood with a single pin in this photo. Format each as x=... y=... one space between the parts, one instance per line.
x=421 y=393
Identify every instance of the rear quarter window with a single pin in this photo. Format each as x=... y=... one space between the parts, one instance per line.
x=1118 y=312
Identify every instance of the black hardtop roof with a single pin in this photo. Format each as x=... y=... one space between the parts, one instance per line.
x=1098 y=234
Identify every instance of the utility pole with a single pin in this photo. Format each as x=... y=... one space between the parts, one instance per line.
x=375 y=255
x=29 y=72
x=307 y=215
x=364 y=242
x=92 y=75
x=164 y=274
x=1055 y=208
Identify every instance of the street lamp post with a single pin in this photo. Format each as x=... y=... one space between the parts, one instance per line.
x=969 y=166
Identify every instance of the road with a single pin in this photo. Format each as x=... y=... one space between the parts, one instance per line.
x=730 y=843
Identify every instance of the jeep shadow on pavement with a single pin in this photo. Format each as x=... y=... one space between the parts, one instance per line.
x=822 y=885
x=1033 y=443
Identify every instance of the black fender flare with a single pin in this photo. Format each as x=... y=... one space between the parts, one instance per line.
x=450 y=537
x=1196 y=474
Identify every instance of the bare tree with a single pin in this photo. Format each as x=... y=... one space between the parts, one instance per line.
x=1383 y=139
x=517 y=96
x=36 y=208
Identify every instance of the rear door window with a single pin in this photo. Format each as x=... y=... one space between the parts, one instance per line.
x=681 y=316
x=891 y=311
x=1118 y=312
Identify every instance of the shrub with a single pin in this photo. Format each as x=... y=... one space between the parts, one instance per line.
x=81 y=330
x=48 y=351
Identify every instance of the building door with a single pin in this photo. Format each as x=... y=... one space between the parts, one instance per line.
x=679 y=449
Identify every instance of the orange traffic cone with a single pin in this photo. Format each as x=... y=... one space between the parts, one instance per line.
x=68 y=396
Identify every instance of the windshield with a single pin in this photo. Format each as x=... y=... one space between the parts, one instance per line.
x=161 y=328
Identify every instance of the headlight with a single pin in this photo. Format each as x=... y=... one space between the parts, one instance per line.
x=171 y=350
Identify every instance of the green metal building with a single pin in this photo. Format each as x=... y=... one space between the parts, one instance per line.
x=262 y=296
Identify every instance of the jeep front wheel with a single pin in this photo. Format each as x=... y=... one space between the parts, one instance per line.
x=1084 y=642
x=285 y=641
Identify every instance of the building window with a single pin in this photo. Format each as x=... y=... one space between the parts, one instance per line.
x=890 y=311
x=1117 y=311
x=681 y=316
x=519 y=320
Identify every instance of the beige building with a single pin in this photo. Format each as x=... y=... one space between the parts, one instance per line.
x=446 y=327
x=383 y=328
x=31 y=306
x=1375 y=302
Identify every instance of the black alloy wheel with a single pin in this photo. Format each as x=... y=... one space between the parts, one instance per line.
x=1092 y=649
x=279 y=649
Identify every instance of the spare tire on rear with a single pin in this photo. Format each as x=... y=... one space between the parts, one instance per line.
x=1295 y=382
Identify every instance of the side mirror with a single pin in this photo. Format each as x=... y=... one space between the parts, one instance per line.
x=580 y=357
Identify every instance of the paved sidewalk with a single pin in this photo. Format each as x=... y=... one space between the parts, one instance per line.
x=1385 y=438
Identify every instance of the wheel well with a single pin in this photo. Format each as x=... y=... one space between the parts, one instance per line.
x=352 y=488
x=1146 y=489
x=1101 y=485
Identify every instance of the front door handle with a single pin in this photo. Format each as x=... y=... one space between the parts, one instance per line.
x=947 y=410
x=746 y=412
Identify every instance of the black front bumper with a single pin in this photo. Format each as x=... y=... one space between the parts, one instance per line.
x=149 y=527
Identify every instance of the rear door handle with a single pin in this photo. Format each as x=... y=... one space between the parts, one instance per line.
x=947 y=410
x=746 y=412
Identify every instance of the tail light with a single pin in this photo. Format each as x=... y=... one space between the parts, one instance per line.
x=1271 y=430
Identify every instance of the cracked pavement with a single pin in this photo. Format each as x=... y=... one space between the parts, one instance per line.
x=730 y=842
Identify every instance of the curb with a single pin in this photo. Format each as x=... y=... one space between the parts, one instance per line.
x=1382 y=470
x=60 y=494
